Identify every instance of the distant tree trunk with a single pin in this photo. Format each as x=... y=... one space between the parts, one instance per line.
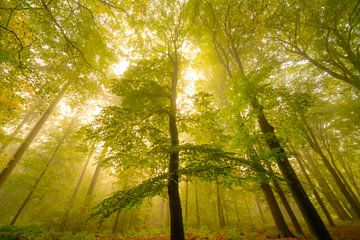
x=316 y=194
x=354 y=203
x=116 y=222
x=324 y=139
x=186 y=199
x=90 y=192
x=176 y=220
x=197 y=206
x=42 y=173
x=236 y=211
x=220 y=206
x=18 y=128
x=311 y=216
x=260 y=210
x=29 y=139
x=279 y=220
x=76 y=189
x=287 y=207
x=247 y=208
x=326 y=190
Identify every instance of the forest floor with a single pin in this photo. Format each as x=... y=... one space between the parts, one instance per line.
x=348 y=231
x=343 y=231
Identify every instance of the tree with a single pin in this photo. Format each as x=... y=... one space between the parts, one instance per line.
x=323 y=33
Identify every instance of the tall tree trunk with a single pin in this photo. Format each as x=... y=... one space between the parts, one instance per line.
x=186 y=199
x=76 y=189
x=176 y=220
x=260 y=210
x=116 y=223
x=311 y=216
x=29 y=139
x=236 y=211
x=279 y=220
x=287 y=207
x=197 y=206
x=315 y=192
x=18 y=128
x=326 y=190
x=220 y=206
x=42 y=173
x=354 y=203
x=247 y=208
x=90 y=192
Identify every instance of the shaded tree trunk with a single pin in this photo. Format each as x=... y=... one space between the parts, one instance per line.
x=315 y=192
x=116 y=223
x=260 y=210
x=247 y=209
x=90 y=192
x=30 y=138
x=176 y=220
x=327 y=191
x=186 y=199
x=220 y=206
x=311 y=216
x=287 y=207
x=279 y=220
x=197 y=206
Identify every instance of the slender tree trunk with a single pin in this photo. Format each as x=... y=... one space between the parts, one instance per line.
x=247 y=209
x=261 y=212
x=18 y=128
x=287 y=207
x=186 y=199
x=315 y=192
x=311 y=216
x=29 y=139
x=90 y=192
x=236 y=211
x=354 y=203
x=327 y=191
x=76 y=189
x=220 y=206
x=279 y=220
x=116 y=223
x=42 y=173
x=197 y=206
x=176 y=220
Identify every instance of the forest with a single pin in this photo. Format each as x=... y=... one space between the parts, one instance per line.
x=179 y=119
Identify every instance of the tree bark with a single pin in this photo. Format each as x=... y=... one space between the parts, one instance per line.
x=90 y=192
x=220 y=206
x=279 y=220
x=176 y=220
x=29 y=139
x=116 y=223
x=315 y=192
x=186 y=199
x=197 y=206
x=287 y=207
x=311 y=216
x=260 y=210
x=327 y=191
